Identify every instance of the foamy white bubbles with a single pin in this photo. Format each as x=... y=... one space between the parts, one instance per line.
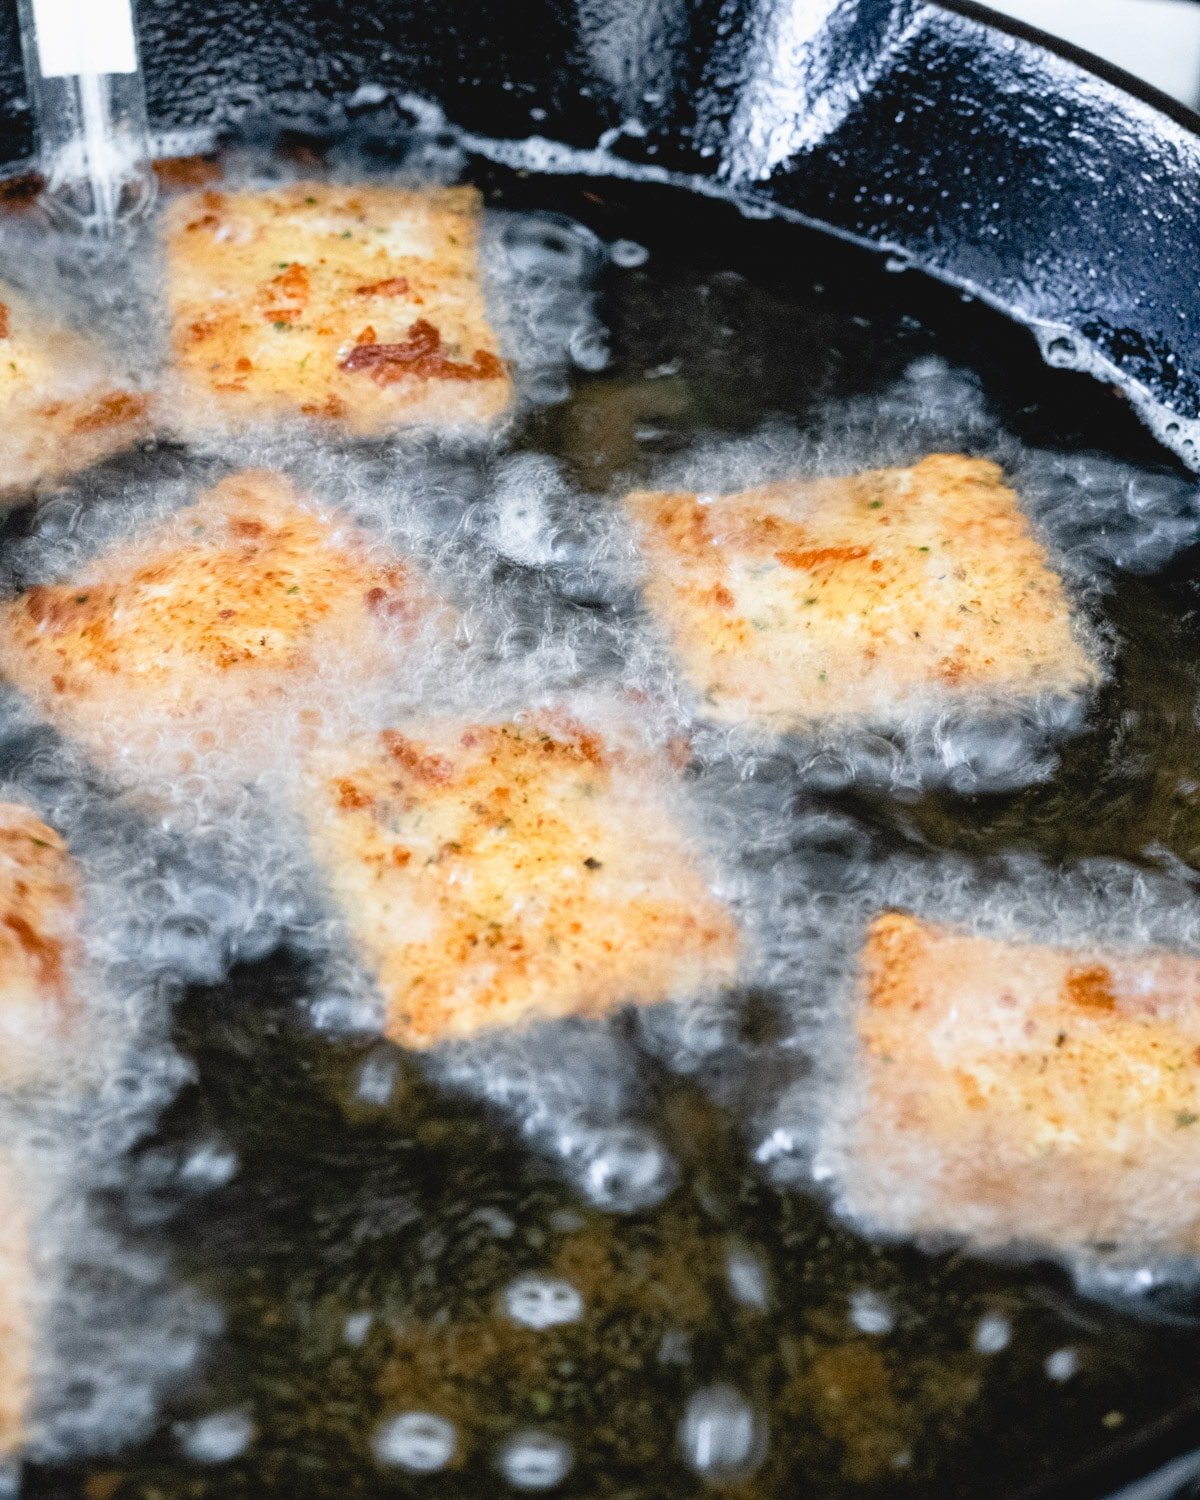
x=573 y=1092
x=535 y=1460
x=722 y=1437
x=419 y=1441
x=525 y=527
x=571 y=1089
x=809 y=1125
x=542 y=1302
x=540 y=269
x=114 y=1330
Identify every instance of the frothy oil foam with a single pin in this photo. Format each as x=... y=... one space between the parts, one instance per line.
x=188 y=872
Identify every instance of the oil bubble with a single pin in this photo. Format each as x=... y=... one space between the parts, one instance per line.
x=376 y=1081
x=747 y=1278
x=217 y=1439
x=356 y=1328
x=1062 y=1365
x=418 y=1441
x=721 y=1436
x=535 y=1460
x=627 y=254
x=871 y=1314
x=993 y=1334
x=628 y=1169
x=542 y=1302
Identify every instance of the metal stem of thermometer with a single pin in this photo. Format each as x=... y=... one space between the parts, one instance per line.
x=89 y=109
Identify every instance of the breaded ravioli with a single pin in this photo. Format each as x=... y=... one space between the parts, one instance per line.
x=1013 y=1091
x=16 y=1330
x=499 y=873
x=863 y=598
x=61 y=406
x=40 y=950
x=220 y=640
x=357 y=306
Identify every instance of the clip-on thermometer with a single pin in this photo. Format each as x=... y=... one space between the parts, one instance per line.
x=89 y=108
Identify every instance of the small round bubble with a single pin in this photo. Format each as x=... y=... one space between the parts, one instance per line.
x=871 y=1314
x=376 y=1080
x=535 y=1460
x=721 y=1435
x=417 y=1441
x=217 y=1439
x=628 y=1169
x=588 y=349
x=542 y=1302
x=627 y=254
x=1062 y=1365
x=747 y=1279
x=993 y=1333
x=211 y=1165
x=356 y=1328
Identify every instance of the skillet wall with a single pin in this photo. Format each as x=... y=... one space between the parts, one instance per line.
x=1070 y=199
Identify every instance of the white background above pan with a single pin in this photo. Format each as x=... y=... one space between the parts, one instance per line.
x=1158 y=40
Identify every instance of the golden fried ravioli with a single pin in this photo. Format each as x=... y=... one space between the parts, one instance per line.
x=61 y=406
x=359 y=306
x=16 y=1323
x=220 y=640
x=506 y=872
x=39 y=949
x=863 y=598
x=1012 y=1091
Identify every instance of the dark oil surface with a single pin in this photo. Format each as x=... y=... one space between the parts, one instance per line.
x=422 y=1211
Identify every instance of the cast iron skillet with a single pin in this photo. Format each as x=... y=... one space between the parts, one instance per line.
x=1059 y=189
x=1066 y=197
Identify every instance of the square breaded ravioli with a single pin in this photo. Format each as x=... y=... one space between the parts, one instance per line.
x=220 y=639
x=1018 y=1092
x=62 y=407
x=16 y=1321
x=499 y=873
x=40 y=951
x=357 y=306
x=867 y=597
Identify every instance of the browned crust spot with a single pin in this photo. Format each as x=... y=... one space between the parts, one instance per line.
x=420 y=354
x=1091 y=988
